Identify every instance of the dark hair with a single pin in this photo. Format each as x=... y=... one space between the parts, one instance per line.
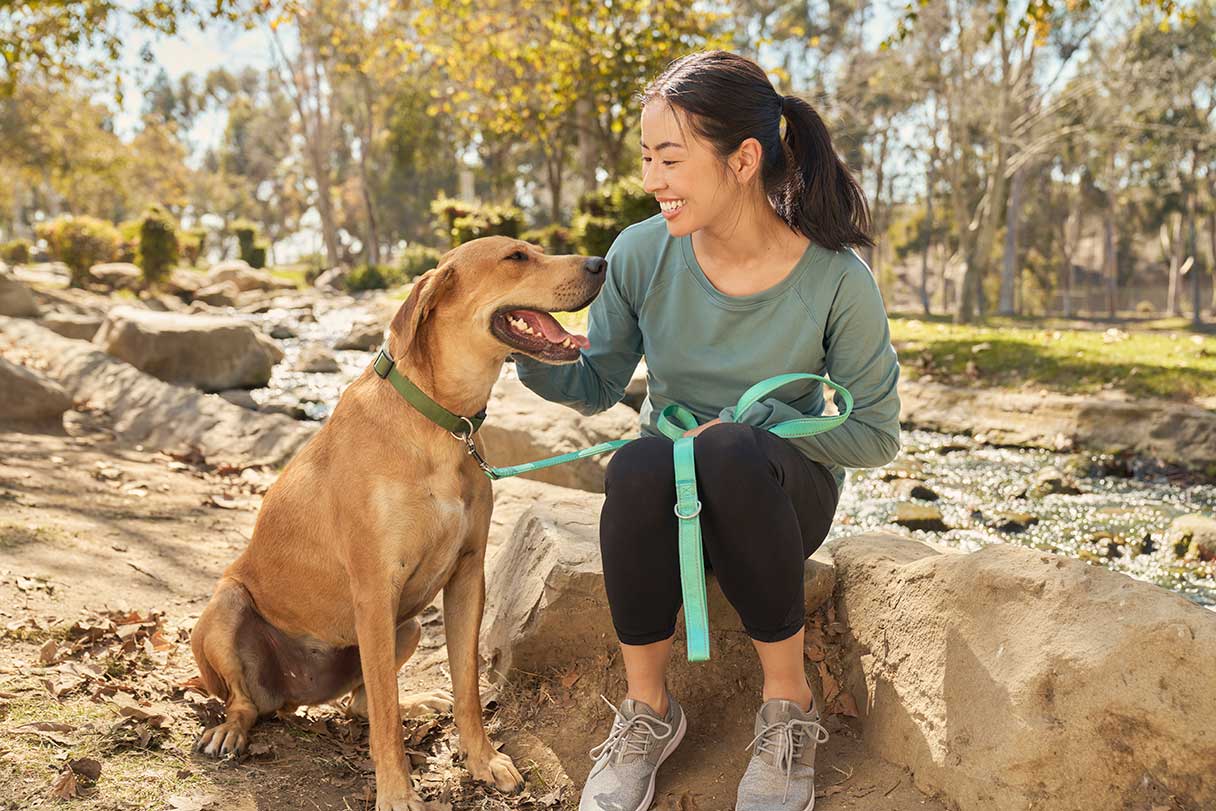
x=727 y=99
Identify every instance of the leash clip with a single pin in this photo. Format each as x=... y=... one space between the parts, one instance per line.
x=471 y=449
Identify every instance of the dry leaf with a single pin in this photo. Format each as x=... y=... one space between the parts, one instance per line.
x=86 y=768
x=64 y=787
x=49 y=652
x=570 y=678
x=180 y=803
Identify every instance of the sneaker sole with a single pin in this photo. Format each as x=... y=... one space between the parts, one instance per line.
x=667 y=750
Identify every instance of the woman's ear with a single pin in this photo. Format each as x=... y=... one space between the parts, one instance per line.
x=426 y=293
x=746 y=161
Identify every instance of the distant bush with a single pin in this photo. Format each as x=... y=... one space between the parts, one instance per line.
x=128 y=247
x=555 y=239
x=158 y=250
x=418 y=259
x=1145 y=308
x=80 y=243
x=606 y=211
x=15 y=251
x=459 y=222
x=250 y=244
x=191 y=242
x=373 y=277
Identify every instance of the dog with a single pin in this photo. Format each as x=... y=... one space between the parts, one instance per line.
x=378 y=512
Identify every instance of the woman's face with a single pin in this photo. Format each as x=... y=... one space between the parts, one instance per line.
x=682 y=172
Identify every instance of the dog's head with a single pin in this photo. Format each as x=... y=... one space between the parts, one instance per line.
x=496 y=294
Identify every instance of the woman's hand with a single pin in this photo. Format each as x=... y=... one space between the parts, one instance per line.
x=700 y=428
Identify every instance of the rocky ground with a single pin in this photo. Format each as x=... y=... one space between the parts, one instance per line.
x=109 y=551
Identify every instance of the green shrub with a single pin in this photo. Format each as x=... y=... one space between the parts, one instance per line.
x=555 y=239
x=607 y=210
x=418 y=259
x=373 y=277
x=80 y=243
x=1145 y=308
x=191 y=243
x=249 y=241
x=593 y=235
x=128 y=247
x=458 y=221
x=157 y=252
x=16 y=251
x=257 y=256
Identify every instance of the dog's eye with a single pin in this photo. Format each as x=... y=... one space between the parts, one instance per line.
x=518 y=256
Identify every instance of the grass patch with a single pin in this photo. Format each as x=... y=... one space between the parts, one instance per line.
x=293 y=273
x=1160 y=361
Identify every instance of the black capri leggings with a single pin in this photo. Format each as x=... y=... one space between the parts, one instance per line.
x=765 y=509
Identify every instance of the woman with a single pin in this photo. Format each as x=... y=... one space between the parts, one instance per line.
x=746 y=273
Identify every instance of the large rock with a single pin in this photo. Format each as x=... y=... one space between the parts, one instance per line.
x=1014 y=679
x=183 y=282
x=545 y=600
x=28 y=396
x=1193 y=536
x=522 y=427
x=212 y=353
x=246 y=278
x=1173 y=432
x=117 y=275
x=364 y=335
x=72 y=325
x=16 y=300
x=159 y=415
x=220 y=294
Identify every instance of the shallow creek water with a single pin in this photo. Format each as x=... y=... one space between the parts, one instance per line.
x=1117 y=522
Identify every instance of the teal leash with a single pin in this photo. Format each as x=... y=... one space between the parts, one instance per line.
x=673 y=422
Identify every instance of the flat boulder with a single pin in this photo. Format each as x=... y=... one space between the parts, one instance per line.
x=117 y=275
x=545 y=599
x=220 y=294
x=72 y=325
x=16 y=300
x=364 y=335
x=211 y=353
x=246 y=278
x=1010 y=678
x=28 y=396
x=523 y=427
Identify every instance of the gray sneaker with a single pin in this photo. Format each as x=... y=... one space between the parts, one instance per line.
x=622 y=778
x=781 y=775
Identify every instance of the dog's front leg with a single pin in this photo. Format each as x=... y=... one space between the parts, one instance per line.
x=463 y=600
x=375 y=627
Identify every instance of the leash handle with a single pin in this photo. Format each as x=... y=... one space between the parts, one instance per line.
x=802 y=426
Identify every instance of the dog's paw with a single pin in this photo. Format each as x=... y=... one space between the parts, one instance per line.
x=407 y=801
x=417 y=704
x=499 y=770
x=222 y=740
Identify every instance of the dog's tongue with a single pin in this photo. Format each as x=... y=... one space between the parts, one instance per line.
x=553 y=331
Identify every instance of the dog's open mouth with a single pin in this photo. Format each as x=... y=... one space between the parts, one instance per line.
x=537 y=333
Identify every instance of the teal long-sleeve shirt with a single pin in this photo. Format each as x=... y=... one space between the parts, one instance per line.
x=703 y=348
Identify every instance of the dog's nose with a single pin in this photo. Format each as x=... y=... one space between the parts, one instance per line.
x=596 y=265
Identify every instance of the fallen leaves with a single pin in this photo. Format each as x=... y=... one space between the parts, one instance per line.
x=77 y=777
x=817 y=646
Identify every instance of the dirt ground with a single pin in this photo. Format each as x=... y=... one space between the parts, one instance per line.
x=108 y=553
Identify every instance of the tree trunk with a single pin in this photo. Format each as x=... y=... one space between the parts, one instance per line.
x=584 y=110
x=1193 y=250
x=1173 y=230
x=1009 y=269
x=924 y=257
x=1110 y=258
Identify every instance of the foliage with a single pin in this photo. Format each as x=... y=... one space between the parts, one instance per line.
x=373 y=277
x=80 y=243
x=418 y=259
x=15 y=251
x=555 y=238
x=192 y=242
x=459 y=222
x=251 y=246
x=158 y=248
x=607 y=210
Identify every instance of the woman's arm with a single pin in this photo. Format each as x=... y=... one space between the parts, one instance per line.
x=597 y=380
x=858 y=356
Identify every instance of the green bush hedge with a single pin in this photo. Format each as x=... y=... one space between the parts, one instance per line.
x=418 y=259
x=80 y=243
x=191 y=243
x=607 y=210
x=555 y=239
x=157 y=251
x=458 y=221
x=251 y=246
x=373 y=277
x=16 y=251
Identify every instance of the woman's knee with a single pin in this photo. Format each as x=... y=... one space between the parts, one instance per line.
x=640 y=467
x=725 y=452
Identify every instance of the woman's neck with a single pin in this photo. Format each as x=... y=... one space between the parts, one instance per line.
x=745 y=238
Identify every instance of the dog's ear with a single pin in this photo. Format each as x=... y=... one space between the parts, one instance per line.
x=430 y=287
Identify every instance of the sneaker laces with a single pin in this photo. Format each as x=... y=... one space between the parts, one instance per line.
x=629 y=736
x=785 y=739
